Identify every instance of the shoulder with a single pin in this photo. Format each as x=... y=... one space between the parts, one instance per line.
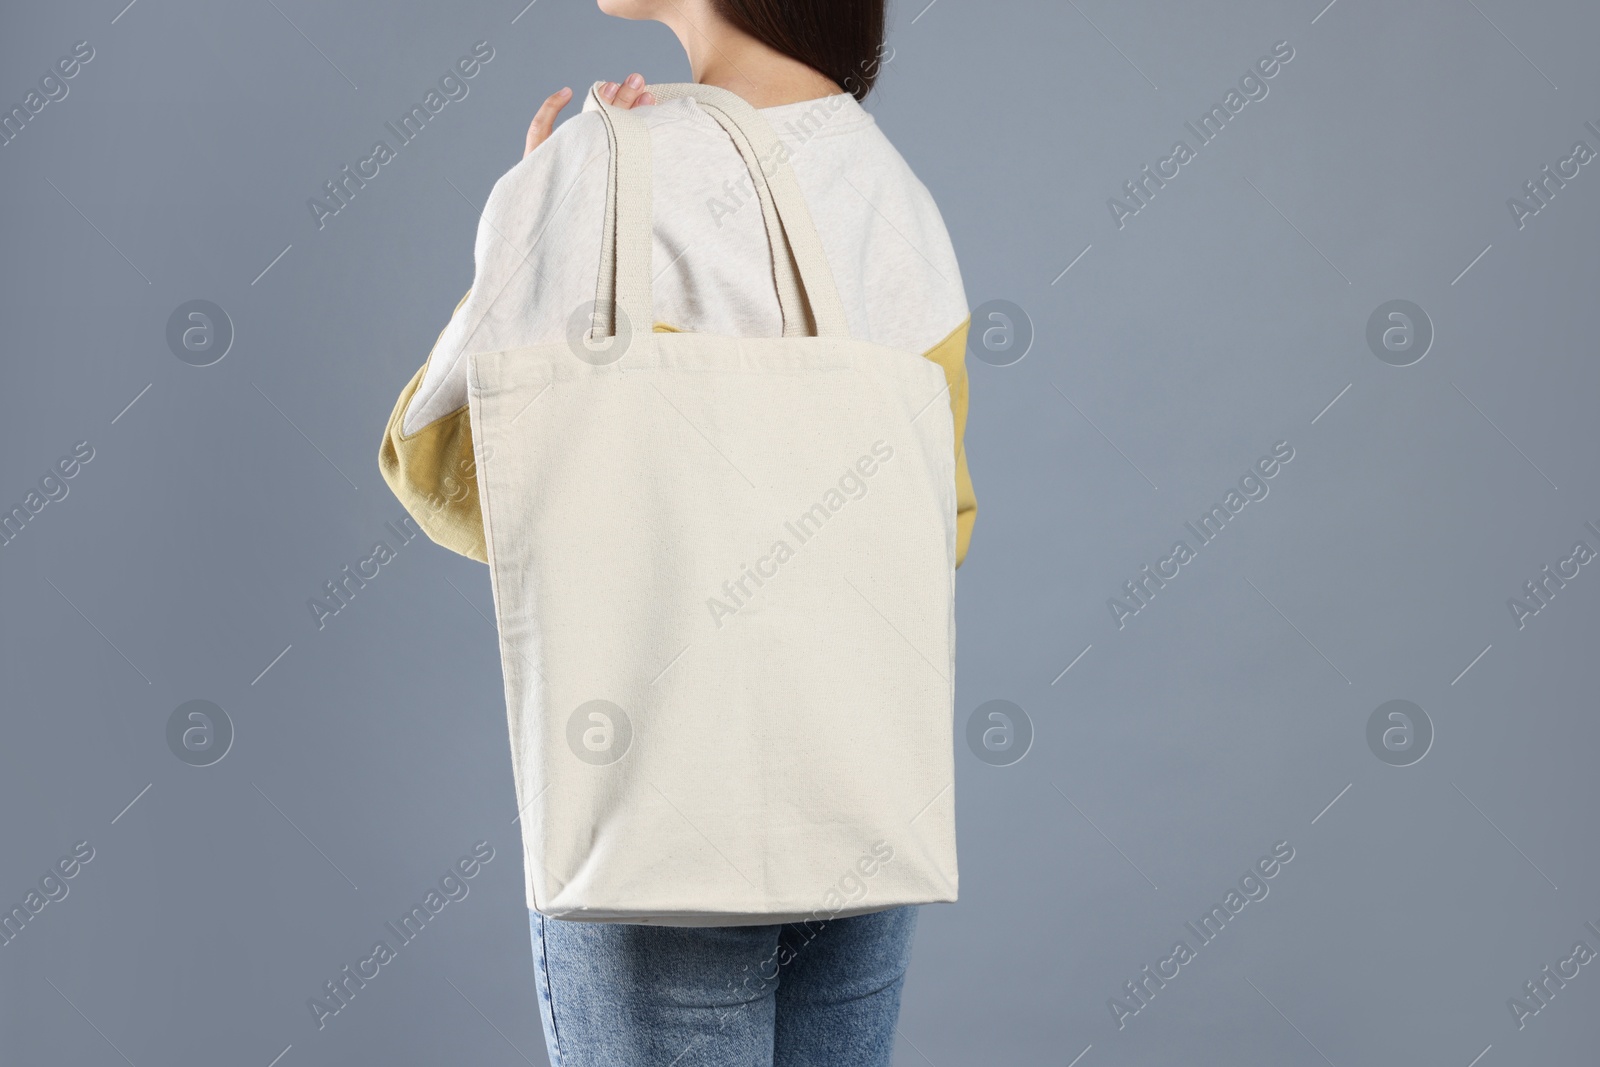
x=570 y=155
x=867 y=191
x=577 y=152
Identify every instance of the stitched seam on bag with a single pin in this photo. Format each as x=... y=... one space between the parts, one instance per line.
x=486 y=510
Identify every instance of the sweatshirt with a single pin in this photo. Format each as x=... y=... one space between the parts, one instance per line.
x=537 y=260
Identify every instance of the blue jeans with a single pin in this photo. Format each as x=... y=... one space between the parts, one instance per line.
x=818 y=994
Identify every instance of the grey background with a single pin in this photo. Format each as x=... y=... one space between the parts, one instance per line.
x=1224 y=717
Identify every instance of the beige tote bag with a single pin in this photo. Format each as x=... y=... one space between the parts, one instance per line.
x=724 y=574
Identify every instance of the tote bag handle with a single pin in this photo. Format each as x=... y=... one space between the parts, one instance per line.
x=800 y=267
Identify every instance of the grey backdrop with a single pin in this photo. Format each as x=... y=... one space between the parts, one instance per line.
x=1231 y=713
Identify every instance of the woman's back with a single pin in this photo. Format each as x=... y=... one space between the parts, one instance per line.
x=538 y=258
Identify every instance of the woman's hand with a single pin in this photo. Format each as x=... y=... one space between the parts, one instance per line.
x=630 y=93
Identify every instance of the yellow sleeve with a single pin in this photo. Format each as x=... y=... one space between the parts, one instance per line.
x=432 y=472
x=951 y=354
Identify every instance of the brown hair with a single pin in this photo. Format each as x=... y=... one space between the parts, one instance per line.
x=843 y=39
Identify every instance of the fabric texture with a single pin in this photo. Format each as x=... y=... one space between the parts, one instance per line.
x=723 y=571
x=823 y=994
x=537 y=263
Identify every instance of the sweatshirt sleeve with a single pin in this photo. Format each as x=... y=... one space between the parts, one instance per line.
x=524 y=283
x=950 y=354
x=432 y=470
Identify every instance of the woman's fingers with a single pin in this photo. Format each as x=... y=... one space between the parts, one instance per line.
x=544 y=120
x=628 y=94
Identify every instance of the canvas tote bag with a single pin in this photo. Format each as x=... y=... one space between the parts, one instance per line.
x=723 y=573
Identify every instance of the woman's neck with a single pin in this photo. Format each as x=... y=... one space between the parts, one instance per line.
x=730 y=59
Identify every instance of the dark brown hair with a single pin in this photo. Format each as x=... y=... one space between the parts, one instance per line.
x=843 y=39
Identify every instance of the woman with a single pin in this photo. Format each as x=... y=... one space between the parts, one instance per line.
x=617 y=993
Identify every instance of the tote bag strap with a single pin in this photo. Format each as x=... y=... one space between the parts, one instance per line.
x=767 y=158
x=785 y=272
x=626 y=241
x=800 y=267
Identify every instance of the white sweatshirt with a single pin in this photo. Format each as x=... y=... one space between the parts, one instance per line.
x=538 y=259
